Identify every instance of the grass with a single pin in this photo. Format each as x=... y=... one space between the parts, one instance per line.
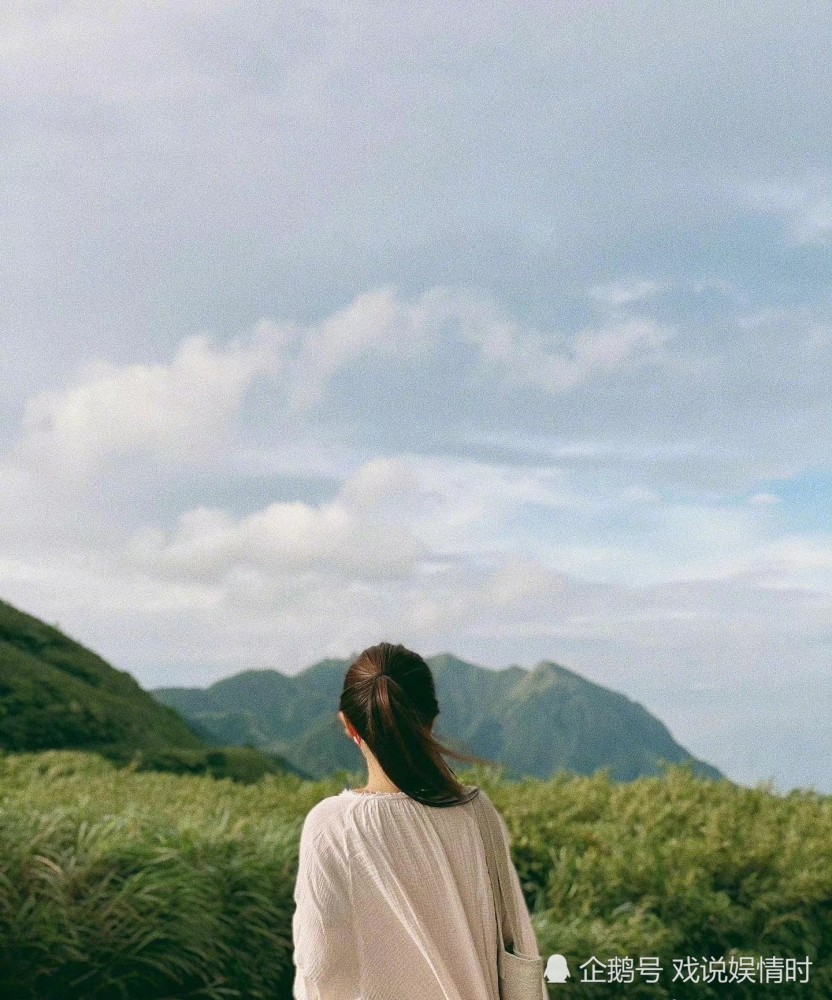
x=119 y=883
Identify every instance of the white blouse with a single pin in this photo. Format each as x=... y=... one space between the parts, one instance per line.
x=393 y=902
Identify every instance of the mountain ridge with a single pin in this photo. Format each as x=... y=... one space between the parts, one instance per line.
x=531 y=721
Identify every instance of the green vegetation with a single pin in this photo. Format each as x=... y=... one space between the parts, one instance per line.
x=243 y=764
x=119 y=884
x=531 y=722
x=55 y=693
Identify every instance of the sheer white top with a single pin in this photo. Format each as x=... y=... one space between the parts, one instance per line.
x=393 y=902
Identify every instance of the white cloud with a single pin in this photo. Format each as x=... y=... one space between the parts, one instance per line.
x=353 y=535
x=382 y=323
x=621 y=293
x=556 y=363
x=382 y=482
x=806 y=208
x=377 y=322
x=640 y=494
x=795 y=561
x=764 y=499
x=413 y=513
x=175 y=411
x=181 y=411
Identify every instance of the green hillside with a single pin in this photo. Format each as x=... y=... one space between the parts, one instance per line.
x=56 y=694
x=533 y=722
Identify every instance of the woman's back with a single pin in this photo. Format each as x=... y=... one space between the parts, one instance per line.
x=393 y=902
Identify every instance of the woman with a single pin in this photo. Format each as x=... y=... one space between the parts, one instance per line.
x=393 y=899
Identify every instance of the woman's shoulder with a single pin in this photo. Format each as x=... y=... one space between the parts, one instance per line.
x=326 y=813
x=323 y=830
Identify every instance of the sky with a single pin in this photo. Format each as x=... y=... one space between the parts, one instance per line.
x=502 y=330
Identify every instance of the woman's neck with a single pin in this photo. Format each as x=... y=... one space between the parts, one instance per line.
x=377 y=780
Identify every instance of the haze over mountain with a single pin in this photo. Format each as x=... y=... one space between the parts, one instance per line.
x=534 y=722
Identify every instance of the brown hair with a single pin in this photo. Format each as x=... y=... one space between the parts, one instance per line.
x=389 y=696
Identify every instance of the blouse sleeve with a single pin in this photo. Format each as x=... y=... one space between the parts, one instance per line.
x=325 y=954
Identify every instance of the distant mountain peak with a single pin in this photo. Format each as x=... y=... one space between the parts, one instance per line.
x=534 y=721
x=442 y=661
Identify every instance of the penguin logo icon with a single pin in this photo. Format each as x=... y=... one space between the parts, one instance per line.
x=557 y=971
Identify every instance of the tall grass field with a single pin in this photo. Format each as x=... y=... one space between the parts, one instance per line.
x=123 y=884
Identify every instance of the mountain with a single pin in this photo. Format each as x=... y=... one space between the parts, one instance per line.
x=56 y=694
x=534 y=722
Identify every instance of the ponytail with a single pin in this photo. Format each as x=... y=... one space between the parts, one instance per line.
x=389 y=696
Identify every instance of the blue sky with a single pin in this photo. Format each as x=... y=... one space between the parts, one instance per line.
x=503 y=332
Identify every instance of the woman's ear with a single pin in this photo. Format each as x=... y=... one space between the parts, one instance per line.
x=349 y=729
